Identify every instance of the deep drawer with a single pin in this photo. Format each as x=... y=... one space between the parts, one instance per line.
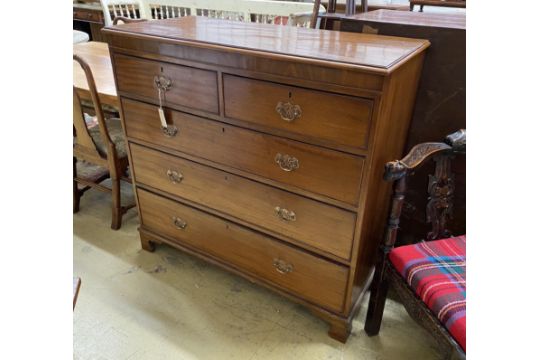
x=308 y=221
x=319 y=170
x=317 y=115
x=190 y=87
x=296 y=271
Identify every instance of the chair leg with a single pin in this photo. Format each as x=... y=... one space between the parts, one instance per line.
x=411 y=7
x=76 y=193
x=377 y=301
x=116 y=204
x=421 y=8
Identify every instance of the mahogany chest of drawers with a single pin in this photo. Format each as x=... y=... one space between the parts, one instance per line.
x=261 y=148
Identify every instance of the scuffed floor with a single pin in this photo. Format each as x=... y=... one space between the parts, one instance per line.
x=168 y=305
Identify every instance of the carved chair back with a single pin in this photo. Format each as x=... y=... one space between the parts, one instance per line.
x=85 y=146
x=131 y=9
x=440 y=185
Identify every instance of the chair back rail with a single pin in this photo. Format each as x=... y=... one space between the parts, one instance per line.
x=85 y=146
x=125 y=20
x=84 y=142
x=131 y=9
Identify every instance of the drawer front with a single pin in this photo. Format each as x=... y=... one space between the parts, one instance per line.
x=317 y=115
x=189 y=87
x=311 y=222
x=319 y=170
x=303 y=274
x=89 y=16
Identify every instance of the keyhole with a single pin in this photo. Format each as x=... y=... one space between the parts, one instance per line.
x=223 y=130
x=161 y=69
x=290 y=94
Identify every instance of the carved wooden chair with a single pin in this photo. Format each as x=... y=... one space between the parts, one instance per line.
x=99 y=152
x=429 y=276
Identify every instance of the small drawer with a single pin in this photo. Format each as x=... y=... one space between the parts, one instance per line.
x=189 y=87
x=293 y=270
x=319 y=170
x=307 y=221
x=86 y=16
x=317 y=115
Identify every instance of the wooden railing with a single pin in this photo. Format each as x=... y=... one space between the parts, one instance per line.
x=261 y=11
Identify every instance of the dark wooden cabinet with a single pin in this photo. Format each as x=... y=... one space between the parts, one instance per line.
x=270 y=158
x=440 y=107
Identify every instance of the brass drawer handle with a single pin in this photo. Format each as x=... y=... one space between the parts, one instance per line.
x=163 y=83
x=284 y=214
x=288 y=110
x=179 y=223
x=282 y=267
x=169 y=130
x=174 y=176
x=287 y=162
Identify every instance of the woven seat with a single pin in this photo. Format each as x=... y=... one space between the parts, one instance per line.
x=436 y=271
x=116 y=134
x=107 y=109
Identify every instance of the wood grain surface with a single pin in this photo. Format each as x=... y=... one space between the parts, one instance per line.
x=191 y=87
x=309 y=44
x=96 y=54
x=437 y=20
x=251 y=251
x=318 y=225
x=242 y=167
x=343 y=120
x=330 y=173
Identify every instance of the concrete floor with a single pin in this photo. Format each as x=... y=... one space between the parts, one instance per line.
x=168 y=305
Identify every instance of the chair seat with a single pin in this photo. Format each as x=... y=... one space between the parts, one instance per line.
x=436 y=270
x=115 y=133
x=106 y=108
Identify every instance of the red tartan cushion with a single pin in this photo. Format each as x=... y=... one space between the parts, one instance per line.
x=436 y=271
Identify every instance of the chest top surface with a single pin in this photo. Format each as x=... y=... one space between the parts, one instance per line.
x=307 y=45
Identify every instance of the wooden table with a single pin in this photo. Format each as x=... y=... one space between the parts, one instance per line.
x=96 y=54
